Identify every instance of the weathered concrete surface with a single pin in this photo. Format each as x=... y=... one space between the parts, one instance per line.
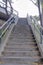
x=21 y=47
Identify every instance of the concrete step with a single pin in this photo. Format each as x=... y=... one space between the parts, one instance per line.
x=21 y=53
x=19 y=37
x=19 y=59
x=26 y=39
x=21 y=40
x=16 y=31
x=29 y=63
x=19 y=34
x=20 y=64
x=21 y=46
x=20 y=43
x=22 y=32
x=20 y=49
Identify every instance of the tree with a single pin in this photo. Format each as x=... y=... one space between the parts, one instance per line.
x=9 y=1
x=37 y=18
x=35 y=2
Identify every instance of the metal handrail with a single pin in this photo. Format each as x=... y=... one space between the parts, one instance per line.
x=9 y=21
x=6 y=29
x=37 y=22
x=6 y=23
x=40 y=30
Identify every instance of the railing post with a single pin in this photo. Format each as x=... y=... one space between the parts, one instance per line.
x=0 y=40
x=34 y=26
x=0 y=36
x=40 y=15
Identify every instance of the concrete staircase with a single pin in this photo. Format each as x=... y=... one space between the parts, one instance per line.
x=21 y=47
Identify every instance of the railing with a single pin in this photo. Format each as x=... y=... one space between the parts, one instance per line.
x=37 y=29
x=7 y=24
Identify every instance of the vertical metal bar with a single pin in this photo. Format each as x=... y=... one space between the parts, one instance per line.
x=34 y=24
x=11 y=6
x=6 y=4
x=0 y=36
x=6 y=7
x=40 y=20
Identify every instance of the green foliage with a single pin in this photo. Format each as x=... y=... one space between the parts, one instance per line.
x=37 y=18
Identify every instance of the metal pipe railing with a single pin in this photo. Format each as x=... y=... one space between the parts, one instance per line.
x=6 y=24
x=38 y=28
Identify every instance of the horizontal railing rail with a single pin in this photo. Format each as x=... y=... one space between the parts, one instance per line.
x=37 y=28
x=2 y=28
x=5 y=22
x=5 y=26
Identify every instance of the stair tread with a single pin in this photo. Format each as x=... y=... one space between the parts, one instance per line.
x=20 y=49
x=20 y=59
x=21 y=46
x=29 y=63
x=20 y=53
x=21 y=42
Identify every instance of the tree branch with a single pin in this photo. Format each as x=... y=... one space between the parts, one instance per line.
x=34 y=3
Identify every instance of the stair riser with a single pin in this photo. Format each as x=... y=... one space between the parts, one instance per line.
x=13 y=44
x=19 y=60
x=22 y=39
x=13 y=49
x=21 y=46
x=18 y=54
x=20 y=34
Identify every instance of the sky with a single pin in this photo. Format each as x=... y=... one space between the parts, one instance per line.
x=24 y=7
